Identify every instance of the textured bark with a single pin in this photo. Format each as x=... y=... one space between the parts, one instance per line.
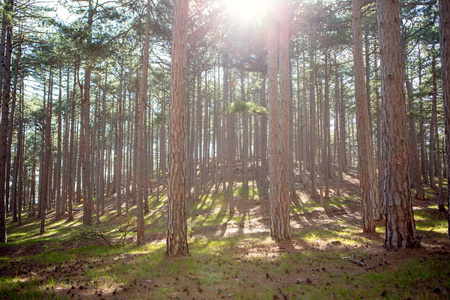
x=85 y=153
x=416 y=171
x=272 y=64
x=57 y=181
x=119 y=148
x=162 y=146
x=65 y=152
x=423 y=150
x=313 y=131
x=72 y=152
x=5 y=70
x=342 y=131
x=263 y=130
x=379 y=141
x=229 y=141
x=326 y=130
x=101 y=158
x=433 y=126
x=397 y=193
x=337 y=136
x=31 y=208
x=245 y=138
x=177 y=225
x=141 y=176
x=85 y=146
x=20 y=154
x=368 y=179
x=282 y=231
x=46 y=156
x=304 y=122
x=11 y=130
x=444 y=27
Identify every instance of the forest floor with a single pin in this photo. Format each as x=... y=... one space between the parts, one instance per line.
x=232 y=257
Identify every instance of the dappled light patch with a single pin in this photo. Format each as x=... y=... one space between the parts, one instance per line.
x=231 y=256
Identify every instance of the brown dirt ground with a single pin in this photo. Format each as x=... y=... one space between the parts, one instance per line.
x=255 y=221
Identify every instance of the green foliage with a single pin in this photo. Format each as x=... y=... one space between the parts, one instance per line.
x=247 y=106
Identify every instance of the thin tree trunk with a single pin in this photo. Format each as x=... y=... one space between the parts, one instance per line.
x=140 y=111
x=57 y=182
x=313 y=130
x=272 y=68
x=416 y=171
x=326 y=129
x=65 y=152
x=119 y=148
x=433 y=125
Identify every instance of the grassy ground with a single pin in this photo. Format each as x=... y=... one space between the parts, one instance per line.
x=232 y=257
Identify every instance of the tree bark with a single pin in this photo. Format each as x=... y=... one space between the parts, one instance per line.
x=444 y=31
x=6 y=77
x=282 y=231
x=57 y=182
x=177 y=224
x=141 y=177
x=397 y=193
x=272 y=68
x=416 y=171
x=368 y=179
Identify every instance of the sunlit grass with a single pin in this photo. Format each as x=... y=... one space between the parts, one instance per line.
x=236 y=266
x=15 y=288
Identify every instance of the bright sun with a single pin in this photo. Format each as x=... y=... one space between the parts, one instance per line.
x=247 y=10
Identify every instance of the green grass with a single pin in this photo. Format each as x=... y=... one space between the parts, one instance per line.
x=233 y=266
x=14 y=288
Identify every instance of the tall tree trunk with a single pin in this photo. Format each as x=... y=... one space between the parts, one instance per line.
x=31 y=208
x=397 y=192
x=416 y=171
x=342 y=131
x=140 y=111
x=177 y=225
x=433 y=125
x=423 y=151
x=326 y=129
x=272 y=68
x=46 y=150
x=283 y=229
x=85 y=146
x=313 y=129
x=20 y=154
x=305 y=128
x=119 y=148
x=264 y=165
x=244 y=138
x=368 y=179
x=73 y=150
x=11 y=122
x=101 y=184
x=65 y=152
x=57 y=182
x=444 y=30
x=85 y=153
x=5 y=70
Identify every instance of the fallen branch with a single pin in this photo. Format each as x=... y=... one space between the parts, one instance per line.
x=358 y=262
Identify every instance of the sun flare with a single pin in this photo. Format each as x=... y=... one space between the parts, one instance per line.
x=247 y=10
